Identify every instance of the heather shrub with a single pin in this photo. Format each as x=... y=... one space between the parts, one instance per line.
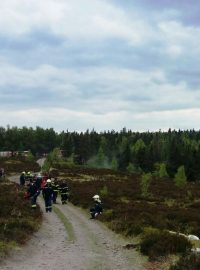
x=18 y=164
x=108 y=215
x=17 y=220
x=191 y=261
x=162 y=243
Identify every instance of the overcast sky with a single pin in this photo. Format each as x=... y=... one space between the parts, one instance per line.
x=102 y=64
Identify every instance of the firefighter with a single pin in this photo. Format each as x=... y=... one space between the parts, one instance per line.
x=29 y=177
x=44 y=181
x=38 y=181
x=64 y=192
x=47 y=193
x=55 y=188
x=22 y=179
x=97 y=209
x=33 y=192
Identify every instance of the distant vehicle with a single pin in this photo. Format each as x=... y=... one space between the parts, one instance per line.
x=14 y=153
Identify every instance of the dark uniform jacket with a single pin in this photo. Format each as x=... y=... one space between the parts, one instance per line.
x=47 y=192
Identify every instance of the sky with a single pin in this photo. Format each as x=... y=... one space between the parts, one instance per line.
x=100 y=64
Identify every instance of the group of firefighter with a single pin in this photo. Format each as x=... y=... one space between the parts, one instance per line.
x=50 y=188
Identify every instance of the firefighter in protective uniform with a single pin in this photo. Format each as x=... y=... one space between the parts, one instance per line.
x=55 y=188
x=47 y=193
x=33 y=192
x=64 y=192
x=97 y=209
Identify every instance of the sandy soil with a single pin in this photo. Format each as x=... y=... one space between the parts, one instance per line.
x=87 y=245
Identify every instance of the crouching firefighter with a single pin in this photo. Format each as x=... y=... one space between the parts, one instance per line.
x=47 y=193
x=97 y=209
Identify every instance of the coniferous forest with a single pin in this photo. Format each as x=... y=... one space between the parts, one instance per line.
x=156 y=152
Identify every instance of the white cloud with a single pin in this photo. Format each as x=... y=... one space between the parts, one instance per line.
x=63 y=119
x=174 y=119
x=76 y=20
x=179 y=39
x=114 y=68
x=99 y=90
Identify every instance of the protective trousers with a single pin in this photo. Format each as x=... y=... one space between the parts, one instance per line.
x=48 y=204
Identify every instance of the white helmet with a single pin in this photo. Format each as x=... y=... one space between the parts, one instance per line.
x=96 y=197
x=48 y=180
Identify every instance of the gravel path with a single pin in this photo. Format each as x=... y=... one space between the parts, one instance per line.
x=85 y=245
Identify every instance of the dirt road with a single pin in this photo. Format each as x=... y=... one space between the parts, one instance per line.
x=69 y=240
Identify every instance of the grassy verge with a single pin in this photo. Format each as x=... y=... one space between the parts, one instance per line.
x=66 y=223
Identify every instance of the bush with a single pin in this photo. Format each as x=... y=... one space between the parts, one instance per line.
x=103 y=192
x=161 y=243
x=17 y=220
x=188 y=262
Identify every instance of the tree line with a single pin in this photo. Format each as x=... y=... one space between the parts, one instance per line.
x=158 y=152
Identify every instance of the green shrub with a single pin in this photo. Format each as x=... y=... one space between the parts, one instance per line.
x=108 y=214
x=157 y=244
x=103 y=192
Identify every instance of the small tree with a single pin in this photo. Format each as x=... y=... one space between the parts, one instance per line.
x=131 y=168
x=46 y=166
x=71 y=159
x=114 y=164
x=180 y=177
x=163 y=171
x=56 y=154
x=101 y=159
x=145 y=183
x=30 y=156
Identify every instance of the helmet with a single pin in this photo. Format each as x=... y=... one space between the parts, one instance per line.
x=48 y=180
x=23 y=173
x=28 y=173
x=96 y=197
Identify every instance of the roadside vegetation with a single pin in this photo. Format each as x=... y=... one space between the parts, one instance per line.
x=18 y=221
x=16 y=165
